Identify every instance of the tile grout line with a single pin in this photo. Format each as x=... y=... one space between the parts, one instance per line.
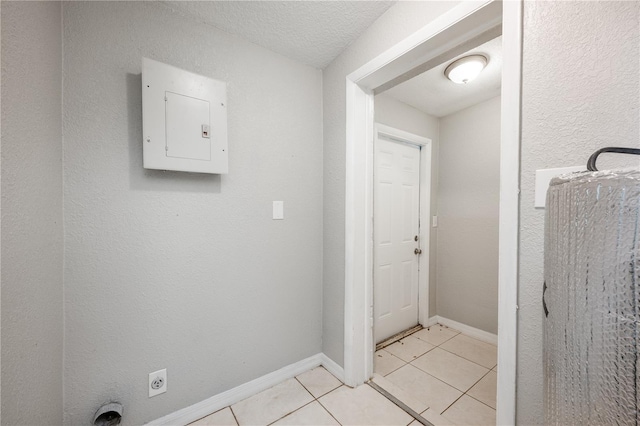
x=288 y=414
x=438 y=346
x=471 y=396
x=411 y=362
x=315 y=399
x=326 y=409
x=440 y=380
x=234 y=415
x=465 y=393
x=395 y=369
x=329 y=391
x=471 y=387
x=444 y=349
x=305 y=388
x=453 y=353
x=451 y=405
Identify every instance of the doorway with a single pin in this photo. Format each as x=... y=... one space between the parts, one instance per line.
x=465 y=23
x=402 y=187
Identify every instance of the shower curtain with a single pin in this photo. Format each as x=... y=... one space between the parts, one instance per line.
x=591 y=298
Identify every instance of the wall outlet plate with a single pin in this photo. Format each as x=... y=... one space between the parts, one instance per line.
x=157 y=382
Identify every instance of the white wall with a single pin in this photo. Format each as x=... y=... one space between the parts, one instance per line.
x=399 y=115
x=400 y=21
x=581 y=91
x=468 y=203
x=31 y=213
x=184 y=271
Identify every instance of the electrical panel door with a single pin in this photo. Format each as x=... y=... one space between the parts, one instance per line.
x=184 y=120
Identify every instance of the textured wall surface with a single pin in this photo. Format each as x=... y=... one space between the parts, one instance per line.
x=174 y=270
x=404 y=117
x=581 y=91
x=31 y=213
x=468 y=203
x=400 y=21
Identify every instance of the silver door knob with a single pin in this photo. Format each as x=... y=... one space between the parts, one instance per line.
x=417 y=251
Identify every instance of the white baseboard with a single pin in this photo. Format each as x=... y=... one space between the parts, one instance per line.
x=332 y=367
x=245 y=390
x=431 y=321
x=476 y=333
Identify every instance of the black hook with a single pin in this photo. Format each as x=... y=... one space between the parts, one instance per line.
x=591 y=164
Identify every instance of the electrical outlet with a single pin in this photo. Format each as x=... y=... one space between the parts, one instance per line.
x=157 y=382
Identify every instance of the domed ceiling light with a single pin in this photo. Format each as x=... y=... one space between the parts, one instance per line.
x=465 y=69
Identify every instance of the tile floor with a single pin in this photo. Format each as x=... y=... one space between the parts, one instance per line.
x=446 y=376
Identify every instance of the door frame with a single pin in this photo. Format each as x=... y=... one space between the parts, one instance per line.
x=446 y=34
x=424 y=229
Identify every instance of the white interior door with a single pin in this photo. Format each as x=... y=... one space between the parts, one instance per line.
x=396 y=232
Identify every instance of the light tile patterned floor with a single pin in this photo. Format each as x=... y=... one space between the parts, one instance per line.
x=446 y=376
x=456 y=379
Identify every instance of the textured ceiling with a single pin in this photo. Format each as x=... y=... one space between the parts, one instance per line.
x=312 y=32
x=436 y=95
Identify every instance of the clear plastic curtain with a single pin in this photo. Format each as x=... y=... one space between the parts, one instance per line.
x=591 y=299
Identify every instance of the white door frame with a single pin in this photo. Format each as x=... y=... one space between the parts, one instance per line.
x=424 y=236
x=451 y=30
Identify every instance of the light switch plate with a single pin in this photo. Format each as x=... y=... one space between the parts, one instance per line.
x=543 y=178
x=278 y=210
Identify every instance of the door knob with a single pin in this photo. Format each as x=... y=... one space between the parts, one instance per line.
x=417 y=251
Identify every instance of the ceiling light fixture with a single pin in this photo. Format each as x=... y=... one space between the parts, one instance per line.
x=465 y=69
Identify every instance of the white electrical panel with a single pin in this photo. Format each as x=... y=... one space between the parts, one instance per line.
x=184 y=120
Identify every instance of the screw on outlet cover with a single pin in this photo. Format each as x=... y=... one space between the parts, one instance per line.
x=157 y=383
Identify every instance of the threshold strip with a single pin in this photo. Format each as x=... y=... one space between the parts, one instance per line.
x=398 y=336
x=400 y=404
